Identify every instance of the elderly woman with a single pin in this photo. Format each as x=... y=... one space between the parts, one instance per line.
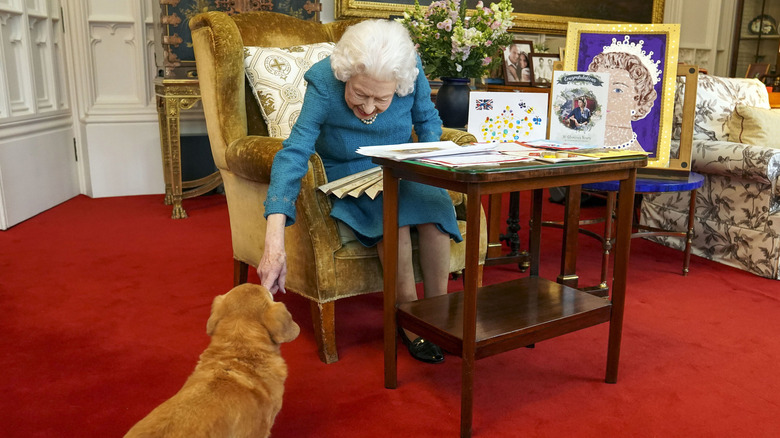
x=370 y=91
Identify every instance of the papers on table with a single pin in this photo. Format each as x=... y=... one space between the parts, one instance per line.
x=449 y=154
x=554 y=152
x=412 y=151
x=547 y=156
x=491 y=158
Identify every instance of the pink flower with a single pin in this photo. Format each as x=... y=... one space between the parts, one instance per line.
x=446 y=25
x=487 y=61
x=480 y=5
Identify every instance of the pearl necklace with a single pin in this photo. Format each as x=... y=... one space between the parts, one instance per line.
x=369 y=120
x=624 y=145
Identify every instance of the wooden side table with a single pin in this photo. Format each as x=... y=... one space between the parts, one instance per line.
x=482 y=321
x=174 y=95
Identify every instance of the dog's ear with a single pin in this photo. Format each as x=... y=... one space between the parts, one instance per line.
x=216 y=314
x=280 y=324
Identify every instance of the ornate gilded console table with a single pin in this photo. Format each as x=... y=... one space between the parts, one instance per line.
x=173 y=96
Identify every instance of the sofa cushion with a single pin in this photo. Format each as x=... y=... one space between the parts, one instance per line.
x=754 y=126
x=716 y=99
x=276 y=77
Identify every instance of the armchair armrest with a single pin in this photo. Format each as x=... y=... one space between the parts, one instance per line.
x=739 y=160
x=251 y=157
x=457 y=136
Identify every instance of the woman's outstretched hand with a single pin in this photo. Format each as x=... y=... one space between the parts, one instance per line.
x=272 y=269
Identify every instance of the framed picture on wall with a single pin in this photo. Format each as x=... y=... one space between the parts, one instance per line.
x=642 y=62
x=757 y=70
x=177 y=58
x=517 y=62
x=542 y=67
x=530 y=16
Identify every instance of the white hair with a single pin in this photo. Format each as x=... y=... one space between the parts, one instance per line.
x=381 y=49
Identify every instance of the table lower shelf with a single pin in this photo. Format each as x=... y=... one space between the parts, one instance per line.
x=510 y=315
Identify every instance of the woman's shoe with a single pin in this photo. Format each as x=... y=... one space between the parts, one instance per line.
x=421 y=349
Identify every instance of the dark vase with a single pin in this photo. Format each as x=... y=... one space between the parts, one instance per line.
x=452 y=101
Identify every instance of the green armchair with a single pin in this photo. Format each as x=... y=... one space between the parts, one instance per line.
x=320 y=267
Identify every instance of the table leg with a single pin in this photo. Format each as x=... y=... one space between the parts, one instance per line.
x=571 y=229
x=172 y=151
x=535 y=232
x=689 y=234
x=512 y=237
x=607 y=243
x=390 y=268
x=625 y=218
x=165 y=147
x=494 y=225
x=470 y=314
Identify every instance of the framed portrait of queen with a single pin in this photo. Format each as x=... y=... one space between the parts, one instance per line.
x=641 y=60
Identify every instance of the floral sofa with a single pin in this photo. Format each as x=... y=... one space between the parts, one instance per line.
x=738 y=208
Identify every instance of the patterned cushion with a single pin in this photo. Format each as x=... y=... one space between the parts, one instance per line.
x=716 y=99
x=755 y=126
x=276 y=76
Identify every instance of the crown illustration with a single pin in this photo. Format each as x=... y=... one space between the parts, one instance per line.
x=626 y=46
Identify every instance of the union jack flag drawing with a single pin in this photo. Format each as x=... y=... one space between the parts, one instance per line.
x=484 y=104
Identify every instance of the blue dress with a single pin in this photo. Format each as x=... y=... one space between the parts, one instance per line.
x=326 y=125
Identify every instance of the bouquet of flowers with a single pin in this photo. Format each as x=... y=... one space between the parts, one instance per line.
x=454 y=45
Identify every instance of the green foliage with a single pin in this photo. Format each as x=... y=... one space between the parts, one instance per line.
x=454 y=45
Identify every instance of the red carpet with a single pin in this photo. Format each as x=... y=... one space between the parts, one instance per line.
x=104 y=307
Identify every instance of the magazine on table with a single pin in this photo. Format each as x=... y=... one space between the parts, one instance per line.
x=555 y=152
x=413 y=151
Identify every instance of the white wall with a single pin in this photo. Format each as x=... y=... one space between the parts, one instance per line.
x=116 y=118
x=37 y=161
x=705 y=33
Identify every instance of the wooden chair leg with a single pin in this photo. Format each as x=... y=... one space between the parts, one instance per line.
x=240 y=272
x=324 y=318
x=689 y=233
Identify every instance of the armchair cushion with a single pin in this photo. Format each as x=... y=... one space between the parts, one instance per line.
x=756 y=126
x=276 y=78
x=716 y=99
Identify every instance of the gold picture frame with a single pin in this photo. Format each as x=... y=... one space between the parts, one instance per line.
x=650 y=119
x=531 y=16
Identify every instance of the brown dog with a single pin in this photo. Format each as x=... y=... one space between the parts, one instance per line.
x=236 y=388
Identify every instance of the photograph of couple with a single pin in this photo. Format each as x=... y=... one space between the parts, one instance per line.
x=517 y=63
